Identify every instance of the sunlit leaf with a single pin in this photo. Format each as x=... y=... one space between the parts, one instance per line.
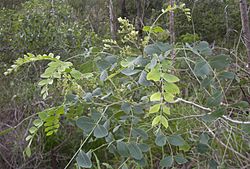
x=154 y=74
x=155 y=97
x=170 y=78
x=155 y=108
x=156 y=120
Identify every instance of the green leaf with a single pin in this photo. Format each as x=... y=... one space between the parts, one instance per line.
x=28 y=137
x=76 y=74
x=155 y=97
x=215 y=99
x=126 y=107
x=214 y=115
x=85 y=123
x=157 y=48
x=139 y=133
x=146 y=28
x=180 y=159
x=27 y=151
x=60 y=110
x=176 y=140
x=43 y=115
x=38 y=122
x=32 y=130
x=245 y=128
x=122 y=149
x=227 y=75
x=143 y=79
x=203 y=48
x=164 y=122
x=100 y=131
x=135 y=151
x=49 y=72
x=83 y=160
x=167 y=161
x=129 y=71
x=185 y=147
x=204 y=138
x=160 y=140
x=171 y=88
x=213 y=164
x=202 y=148
x=157 y=29
x=154 y=74
x=45 y=82
x=144 y=147
x=104 y=75
x=50 y=132
x=219 y=62
x=168 y=97
x=202 y=68
x=170 y=78
x=166 y=110
x=241 y=105
x=156 y=120
x=155 y=108
x=142 y=162
x=152 y=49
x=208 y=81
x=87 y=75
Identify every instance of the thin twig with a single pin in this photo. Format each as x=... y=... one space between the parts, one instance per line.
x=210 y=110
x=224 y=145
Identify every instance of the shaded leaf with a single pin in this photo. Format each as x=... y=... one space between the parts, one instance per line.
x=130 y=71
x=180 y=159
x=122 y=149
x=143 y=79
x=219 y=62
x=104 y=75
x=83 y=160
x=227 y=75
x=135 y=151
x=85 y=123
x=100 y=131
x=202 y=69
x=139 y=132
x=202 y=148
x=215 y=99
x=167 y=161
x=161 y=140
x=144 y=147
x=176 y=140
x=204 y=138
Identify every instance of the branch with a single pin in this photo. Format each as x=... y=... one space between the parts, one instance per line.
x=210 y=110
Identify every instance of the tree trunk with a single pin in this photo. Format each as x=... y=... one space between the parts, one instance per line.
x=139 y=16
x=112 y=20
x=171 y=28
x=245 y=27
x=123 y=9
